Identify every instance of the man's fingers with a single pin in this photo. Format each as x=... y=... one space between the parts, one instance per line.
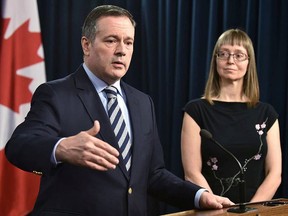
x=109 y=162
x=105 y=154
x=101 y=144
x=86 y=149
x=211 y=201
x=95 y=129
x=102 y=148
x=224 y=201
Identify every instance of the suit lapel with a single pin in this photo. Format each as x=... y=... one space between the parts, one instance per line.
x=96 y=111
x=133 y=104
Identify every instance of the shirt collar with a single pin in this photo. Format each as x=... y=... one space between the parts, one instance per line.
x=99 y=84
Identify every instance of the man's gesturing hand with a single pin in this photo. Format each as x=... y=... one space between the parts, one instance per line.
x=84 y=149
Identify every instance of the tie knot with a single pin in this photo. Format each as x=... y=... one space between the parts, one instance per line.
x=111 y=92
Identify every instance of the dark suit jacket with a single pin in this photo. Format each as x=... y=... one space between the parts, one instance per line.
x=65 y=107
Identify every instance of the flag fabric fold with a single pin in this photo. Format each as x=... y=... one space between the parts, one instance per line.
x=22 y=69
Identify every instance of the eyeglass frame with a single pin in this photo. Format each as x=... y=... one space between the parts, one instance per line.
x=233 y=55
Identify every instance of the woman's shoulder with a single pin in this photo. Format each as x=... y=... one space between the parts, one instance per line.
x=195 y=105
x=267 y=107
x=196 y=102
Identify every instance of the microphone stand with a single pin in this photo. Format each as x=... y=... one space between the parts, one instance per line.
x=242 y=184
x=242 y=191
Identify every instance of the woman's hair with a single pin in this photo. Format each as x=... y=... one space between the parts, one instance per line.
x=89 y=27
x=250 y=83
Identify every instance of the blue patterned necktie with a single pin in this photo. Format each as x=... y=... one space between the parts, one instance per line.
x=119 y=126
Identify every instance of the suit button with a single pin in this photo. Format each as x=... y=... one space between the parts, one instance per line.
x=130 y=190
x=37 y=173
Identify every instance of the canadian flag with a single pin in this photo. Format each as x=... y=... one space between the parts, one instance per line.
x=22 y=69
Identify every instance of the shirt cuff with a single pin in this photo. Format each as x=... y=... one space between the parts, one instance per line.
x=53 y=157
x=197 y=197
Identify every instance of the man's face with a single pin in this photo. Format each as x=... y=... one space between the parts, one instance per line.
x=109 y=55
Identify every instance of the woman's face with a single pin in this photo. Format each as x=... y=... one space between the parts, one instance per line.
x=232 y=62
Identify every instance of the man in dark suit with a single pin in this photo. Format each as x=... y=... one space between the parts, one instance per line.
x=68 y=138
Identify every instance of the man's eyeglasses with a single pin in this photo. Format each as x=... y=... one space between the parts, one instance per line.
x=224 y=55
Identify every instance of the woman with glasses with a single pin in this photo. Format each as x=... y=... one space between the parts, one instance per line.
x=246 y=129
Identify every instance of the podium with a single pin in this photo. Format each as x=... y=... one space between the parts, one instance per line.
x=277 y=207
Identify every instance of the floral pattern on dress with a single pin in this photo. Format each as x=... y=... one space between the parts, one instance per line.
x=227 y=183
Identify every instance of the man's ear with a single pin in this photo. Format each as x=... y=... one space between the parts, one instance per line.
x=85 y=43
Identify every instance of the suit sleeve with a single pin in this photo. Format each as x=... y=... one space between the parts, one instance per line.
x=163 y=184
x=31 y=144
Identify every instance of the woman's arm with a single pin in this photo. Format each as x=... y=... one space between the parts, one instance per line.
x=191 y=152
x=273 y=166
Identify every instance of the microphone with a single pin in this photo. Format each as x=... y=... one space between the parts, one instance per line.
x=242 y=185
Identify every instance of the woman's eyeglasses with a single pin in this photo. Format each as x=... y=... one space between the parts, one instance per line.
x=224 y=55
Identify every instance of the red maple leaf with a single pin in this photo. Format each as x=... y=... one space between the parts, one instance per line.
x=16 y=52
